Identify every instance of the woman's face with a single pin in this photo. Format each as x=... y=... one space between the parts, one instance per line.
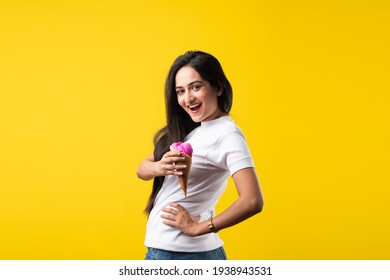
x=196 y=96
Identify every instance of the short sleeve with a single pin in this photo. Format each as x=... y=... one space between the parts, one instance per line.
x=231 y=152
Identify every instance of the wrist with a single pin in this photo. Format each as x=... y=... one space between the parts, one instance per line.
x=211 y=226
x=156 y=169
x=199 y=229
x=203 y=228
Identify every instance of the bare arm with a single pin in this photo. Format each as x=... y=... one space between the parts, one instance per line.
x=168 y=165
x=249 y=203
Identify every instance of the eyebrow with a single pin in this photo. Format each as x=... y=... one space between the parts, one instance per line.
x=190 y=84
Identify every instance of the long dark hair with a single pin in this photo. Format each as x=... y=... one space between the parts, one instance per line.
x=179 y=123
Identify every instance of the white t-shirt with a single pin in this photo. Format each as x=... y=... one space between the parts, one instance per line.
x=219 y=150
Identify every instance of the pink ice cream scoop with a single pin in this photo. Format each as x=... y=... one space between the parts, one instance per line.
x=182 y=147
x=186 y=149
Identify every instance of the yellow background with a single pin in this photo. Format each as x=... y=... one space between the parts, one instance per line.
x=81 y=96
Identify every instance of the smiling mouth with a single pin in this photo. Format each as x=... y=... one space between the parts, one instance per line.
x=194 y=108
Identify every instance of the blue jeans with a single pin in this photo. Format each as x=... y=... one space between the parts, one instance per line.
x=158 y=254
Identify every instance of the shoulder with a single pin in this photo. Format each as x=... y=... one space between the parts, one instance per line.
x=221 y=133
x=229 y=130
x=230 y=149
x=229 y=136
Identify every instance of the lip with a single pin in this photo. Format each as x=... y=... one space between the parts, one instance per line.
x=194 y=105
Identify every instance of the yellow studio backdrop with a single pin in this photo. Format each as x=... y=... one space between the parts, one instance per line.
x=81 y=96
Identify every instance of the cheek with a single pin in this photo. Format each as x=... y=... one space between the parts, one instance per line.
x=180 y=100
x=212 y=100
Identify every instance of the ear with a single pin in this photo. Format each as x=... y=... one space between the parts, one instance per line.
x=219 y=90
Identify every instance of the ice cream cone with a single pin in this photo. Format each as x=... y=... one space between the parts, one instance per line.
x=185 y=150
x=186 y=172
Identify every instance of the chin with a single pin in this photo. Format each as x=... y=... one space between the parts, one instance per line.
x=196 y=119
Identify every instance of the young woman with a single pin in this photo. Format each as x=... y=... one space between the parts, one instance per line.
x=198 y=99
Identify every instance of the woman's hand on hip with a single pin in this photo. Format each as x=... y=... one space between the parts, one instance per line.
x=177 y=216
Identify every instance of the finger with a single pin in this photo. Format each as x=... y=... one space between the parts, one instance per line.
x=169 y=167
x=172 y=154
x=176 y=160
x=175 y=167
x=177 y=206
x=169 y=223
x=172 y=170
x=168 y=217
x=171 y=164
x=177 y=156
x=170 y=210
x=180 y=166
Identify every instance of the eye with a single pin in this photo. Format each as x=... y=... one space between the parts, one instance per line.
x=196 y=87
x=179 y=91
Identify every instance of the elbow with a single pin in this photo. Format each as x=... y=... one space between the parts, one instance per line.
x=256 y=205
x=143 y=176
x=140 y=175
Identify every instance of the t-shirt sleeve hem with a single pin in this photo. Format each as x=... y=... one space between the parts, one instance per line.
x=241 y=164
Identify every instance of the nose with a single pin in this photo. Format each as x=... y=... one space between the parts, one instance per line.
x=188 y=98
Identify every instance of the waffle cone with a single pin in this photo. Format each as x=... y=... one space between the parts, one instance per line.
x=183 y=179
x=186 y=172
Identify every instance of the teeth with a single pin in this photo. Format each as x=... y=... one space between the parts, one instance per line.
x=194 y=106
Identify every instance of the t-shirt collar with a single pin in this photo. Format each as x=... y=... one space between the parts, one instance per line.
x=214 y=121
